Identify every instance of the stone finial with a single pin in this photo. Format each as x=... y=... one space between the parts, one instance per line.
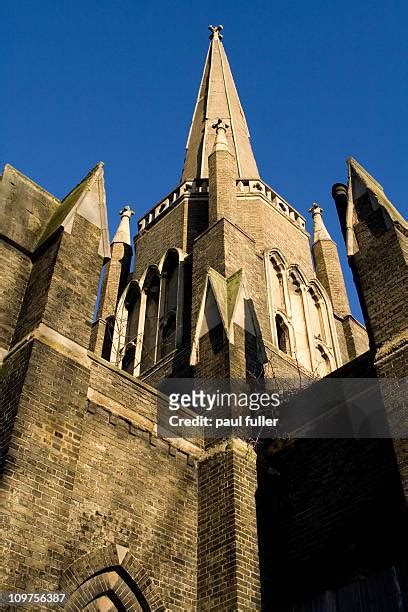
x=220 y=143
x=220 y=124
x=319 y=229
x=123 y=231
x=126 y=212
x=216 y=32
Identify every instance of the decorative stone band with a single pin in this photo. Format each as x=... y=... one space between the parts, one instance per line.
x=196 y=187
x=130 y=415
x=55 y=340
x=199 y=187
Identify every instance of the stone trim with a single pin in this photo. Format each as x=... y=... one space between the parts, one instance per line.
x=134 y=421
x=135 y=381
x=104 y=569
x=236 y=444
x=50 y=337
x=391 y=347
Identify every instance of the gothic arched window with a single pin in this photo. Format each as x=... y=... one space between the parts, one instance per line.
x=316 y=315
x=323 y=362
x=108 y=338
x=169 y=299
x=131 y=339
x=149 y=346
x=282 y=334
x=302 y=349
x=277 y=284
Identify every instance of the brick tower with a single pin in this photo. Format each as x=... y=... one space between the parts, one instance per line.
x=97 y=503
x=223 y=283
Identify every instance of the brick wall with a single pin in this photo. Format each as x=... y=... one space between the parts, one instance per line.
x=328 y=511
x=26 y=208
x=228 y=577
x=15 y=271
x=36 y=294
x=170 y=231
x=352 y=336
x=39 y=473
x=83 y=474
x=63 y=284
x=222 y=189
x=131 y=491
x=273 y=230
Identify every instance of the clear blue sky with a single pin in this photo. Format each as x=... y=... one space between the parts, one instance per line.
x=83 y=81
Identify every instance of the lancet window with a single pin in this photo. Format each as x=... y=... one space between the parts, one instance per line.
x=148 y=317
x=301 y=317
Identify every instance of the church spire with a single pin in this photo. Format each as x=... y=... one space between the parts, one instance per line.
x=218 y=99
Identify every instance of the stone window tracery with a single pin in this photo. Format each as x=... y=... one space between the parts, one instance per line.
x=149 y=316
x=300 y=317
x=283 y=335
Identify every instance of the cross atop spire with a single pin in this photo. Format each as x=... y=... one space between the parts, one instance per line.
x=216 y=32
x=218 y=98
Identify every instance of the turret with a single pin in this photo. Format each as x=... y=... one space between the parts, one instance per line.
x=327 y=264
x=221 y=167
x=351 y=334
x=115 y=275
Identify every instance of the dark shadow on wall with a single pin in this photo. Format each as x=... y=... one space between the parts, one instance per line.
x=332 y=526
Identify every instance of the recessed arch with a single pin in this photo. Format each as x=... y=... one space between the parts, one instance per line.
x=296 y=272
x=124 y=327
x=278 y=257
x=151 y=291
x=282 y=331
x=132 y=306
x=108 y=338
x=170 y=295
x=110 y=572
x=181 y=255
x=323 y=362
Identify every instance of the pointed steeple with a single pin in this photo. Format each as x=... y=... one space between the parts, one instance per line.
x=319 y=229
x=218 y=99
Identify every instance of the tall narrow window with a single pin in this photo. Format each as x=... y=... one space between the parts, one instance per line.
x=149 y=347
x=132 y=305
x=277 y=285
x=283 y=335
x=316 y=316
x=299 y=322
x=168 y=319
x=108 y=338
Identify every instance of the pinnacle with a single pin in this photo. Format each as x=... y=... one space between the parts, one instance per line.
x=123 y=231
x=319 y=229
